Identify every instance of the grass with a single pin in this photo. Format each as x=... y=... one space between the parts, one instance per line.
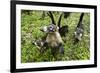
x=31 y=23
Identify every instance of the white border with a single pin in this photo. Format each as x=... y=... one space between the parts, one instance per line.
x=20 y=65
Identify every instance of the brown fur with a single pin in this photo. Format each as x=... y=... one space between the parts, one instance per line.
x=53 y=39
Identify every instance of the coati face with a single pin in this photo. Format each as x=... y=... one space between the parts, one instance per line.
x=50 y=29
x=78 y=33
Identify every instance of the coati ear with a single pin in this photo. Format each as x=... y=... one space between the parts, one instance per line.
x=57 y=28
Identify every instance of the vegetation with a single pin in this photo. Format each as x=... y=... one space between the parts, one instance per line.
x=32 y=21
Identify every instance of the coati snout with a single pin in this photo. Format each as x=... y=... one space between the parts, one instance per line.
x=52 y=28
x=79 y=33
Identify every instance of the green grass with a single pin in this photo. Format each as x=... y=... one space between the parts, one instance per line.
x=30 y=25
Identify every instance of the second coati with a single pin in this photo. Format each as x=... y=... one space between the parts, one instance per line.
x=79 y=30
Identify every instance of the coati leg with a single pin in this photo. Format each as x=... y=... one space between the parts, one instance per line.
x=58 y=52
x=44 y=47
x=75 y=41
x=61 y=49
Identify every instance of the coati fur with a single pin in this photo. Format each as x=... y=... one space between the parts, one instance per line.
x=54 y=40
x=79 y=30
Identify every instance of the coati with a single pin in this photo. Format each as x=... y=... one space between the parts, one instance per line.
x=79 y=30
x=53 y=39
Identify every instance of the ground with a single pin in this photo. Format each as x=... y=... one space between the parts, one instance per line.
x=32 y=21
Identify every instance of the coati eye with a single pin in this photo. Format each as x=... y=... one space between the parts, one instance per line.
x=51 y=27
